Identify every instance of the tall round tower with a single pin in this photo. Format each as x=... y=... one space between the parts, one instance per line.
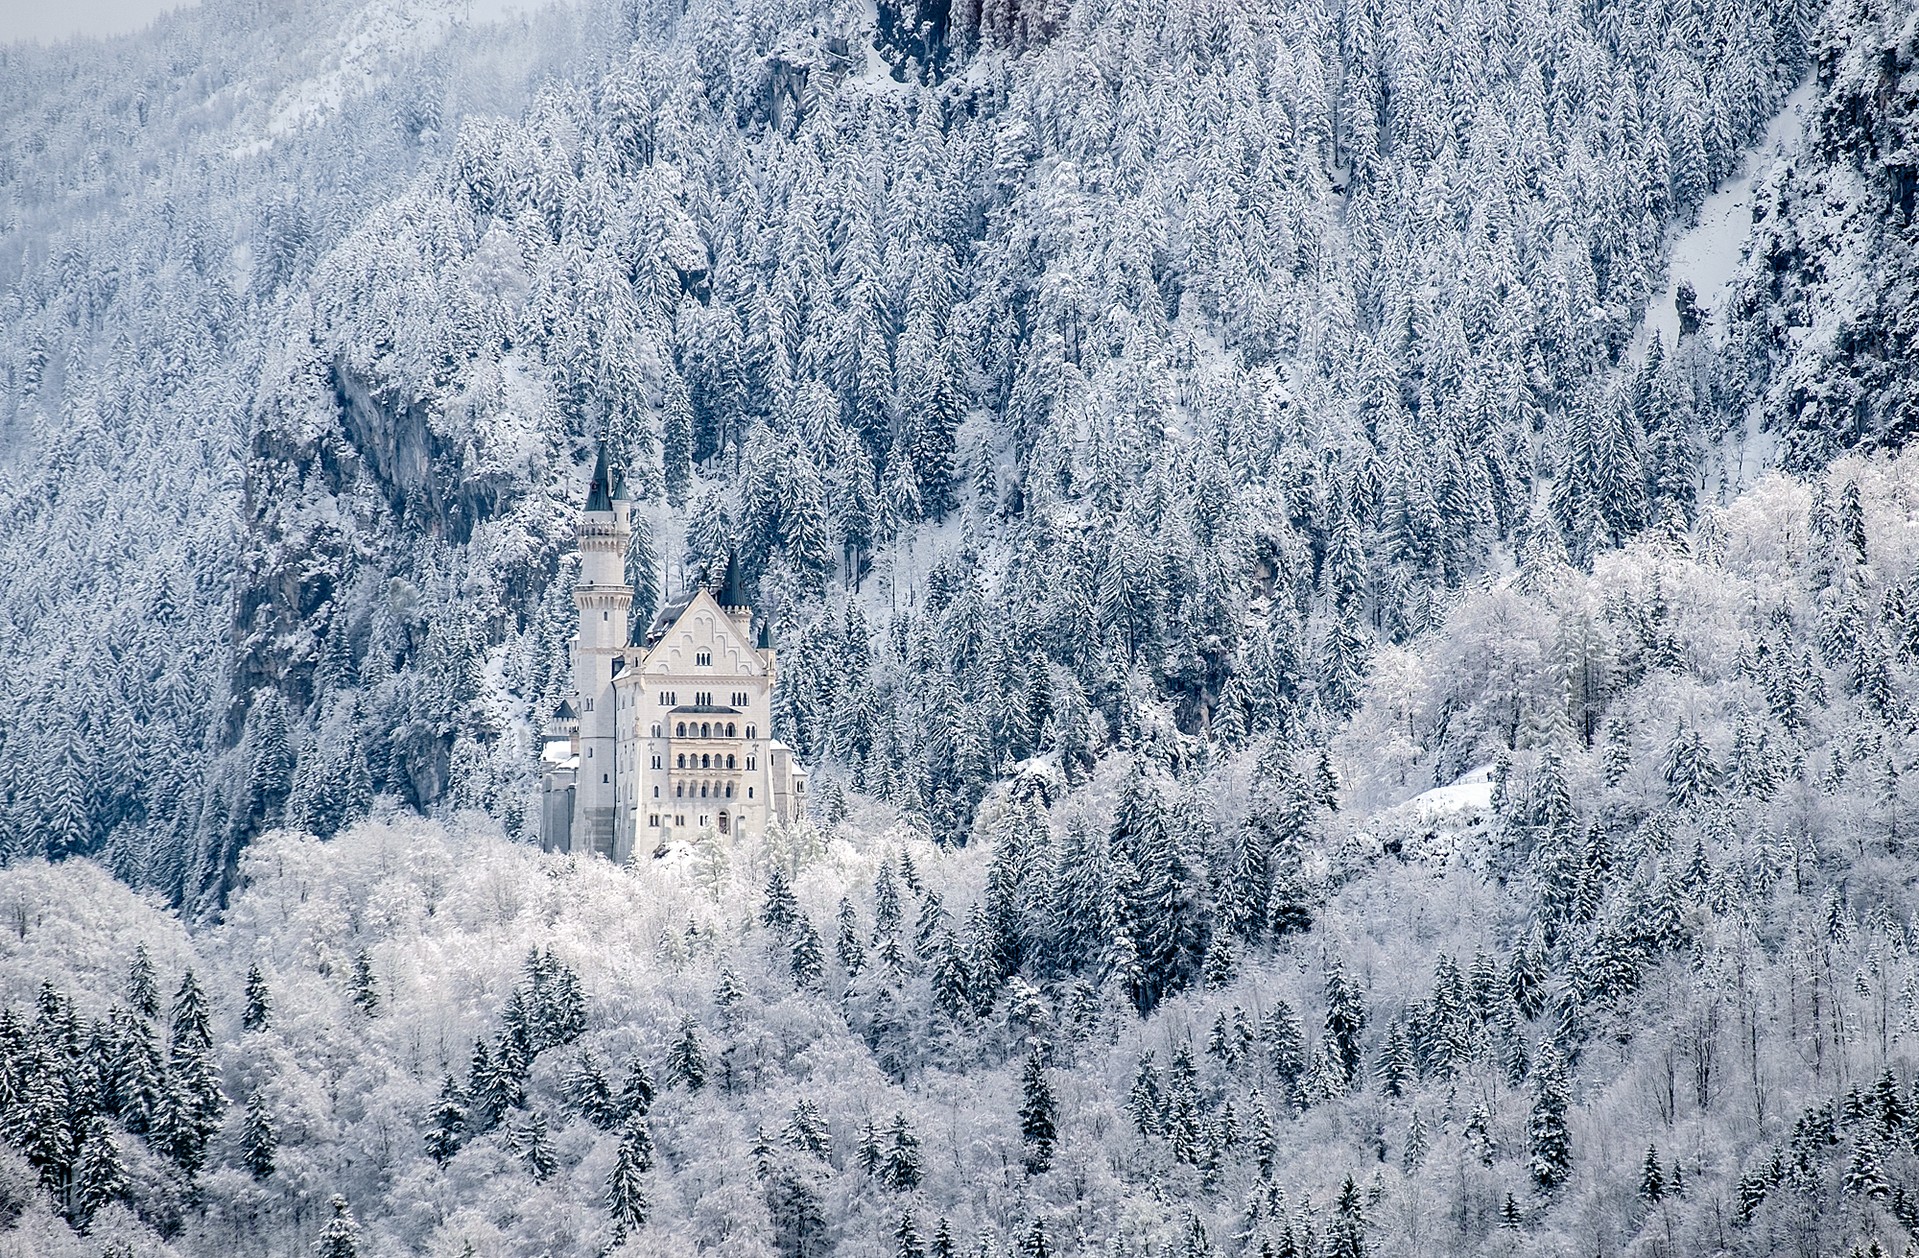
x=604 y=600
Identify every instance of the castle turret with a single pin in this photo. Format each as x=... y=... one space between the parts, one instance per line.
x=604 y=601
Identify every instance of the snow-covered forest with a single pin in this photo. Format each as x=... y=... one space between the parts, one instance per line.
x=1340 y=721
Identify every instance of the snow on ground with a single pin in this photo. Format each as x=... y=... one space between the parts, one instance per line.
x=1706 y=254
x=1437 y=827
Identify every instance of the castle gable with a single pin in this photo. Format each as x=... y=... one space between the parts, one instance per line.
x=704 y=626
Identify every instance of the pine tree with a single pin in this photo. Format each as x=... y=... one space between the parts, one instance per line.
x=100 y=1176
x=806 y=1129
x=808 y=959
x=259 y=1002
x=637 y=1092
x=1414 y=1155
x=1548 y=1138
x=143 y=992
x=1395 y=1069
x=340 y=1238
x=847 y=945
x=447 y=1126
x=626 y=1198
x=1038 y=1115
x=900 y=1167
x=363 y=986
x=686 y=1059
x=1346 y=1238
x=259 y=1139
x=1652 y=1181
x=1345 y=1022
x=781 y=909
x=906 y=1237
x=536 y=1148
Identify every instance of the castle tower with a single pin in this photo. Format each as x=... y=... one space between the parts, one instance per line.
x=604 y=600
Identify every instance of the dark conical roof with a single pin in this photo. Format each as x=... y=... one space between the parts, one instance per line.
x=765 y=642
x=599 y=495
x=732 y=588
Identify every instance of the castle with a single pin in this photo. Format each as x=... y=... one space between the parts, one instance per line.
x=668 y=733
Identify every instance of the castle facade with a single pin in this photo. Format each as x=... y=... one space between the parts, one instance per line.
x=668 y=733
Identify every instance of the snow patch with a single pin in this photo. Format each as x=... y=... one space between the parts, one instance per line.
x=1706 y=254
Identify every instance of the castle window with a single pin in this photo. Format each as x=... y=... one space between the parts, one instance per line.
x=680 y=820
x=605 y=778
x=702 y=790
x=656 y=762
x=680 y=761
x=749 y=731
x=656 y=792
x=703 y=659
x=723 y=821
x=589 y=705
x=706 y=762
x=679 y=789
x=729 y=729
x=729 y=762
x=603 y=615
x=704 y=820
x=706 y=729
x=656 y=729
x=729 y=790
x=653 y=819
x=749 y=762
x=749 y=792
x=679 y=731
x=703 y=698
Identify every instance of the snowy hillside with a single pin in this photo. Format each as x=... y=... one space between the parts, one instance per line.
x=1343 y=574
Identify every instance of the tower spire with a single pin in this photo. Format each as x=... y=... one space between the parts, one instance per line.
x=606 y=485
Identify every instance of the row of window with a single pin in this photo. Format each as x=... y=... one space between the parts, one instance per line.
x=703 y=761
x=656 y=820
x=705 y=729
x=707 y=790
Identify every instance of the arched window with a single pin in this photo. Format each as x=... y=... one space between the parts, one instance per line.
x=702 y=790
x=729 y=762
x=706 y=762
x=682 y=761
x=656 y=729
x=729 y=729
x=706 y=729
x=729 y=790
x=680 y=730
x=749 y=731
x=723 y=823
x=679 y=788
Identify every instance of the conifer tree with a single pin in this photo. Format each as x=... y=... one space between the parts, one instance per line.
x=686 y=1059
x=1345 y=1022
x=447 y=1126
x=536 y=1148
x=100 y=1176
x=847 y=944
x=781 y=909
x=1414 y=1155
x=1652 y=1181
x=340 y=1238
x=259 y=1139
x=1038 y=1114
x=1549 y=1141
x=808 y=959
x=364 y=987
x=1346 y=1238
x=637 y=1092
x=899 y=1167
x=258 y=1014
x=143 y=992
x=626 y=1196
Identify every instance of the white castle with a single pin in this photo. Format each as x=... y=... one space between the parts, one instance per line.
x=668 y=734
